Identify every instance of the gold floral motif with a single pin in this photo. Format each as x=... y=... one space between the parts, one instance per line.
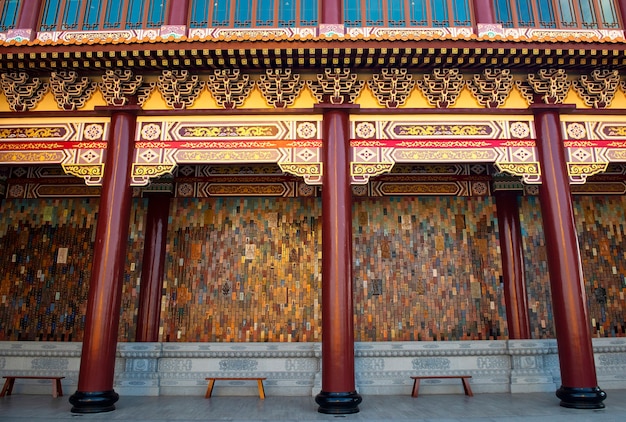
x=392 y=87
x=449 y=155
x=370 y=169
x=246 y=190
x=178 y=88
x=33 y=132
x=336 y=86
x=71 y=92
x=280 y=87
x=442 y=87
x=598 y=89
x=228 y=131
x=84 y=170
x=585 y=169
x=519 y=169
x=442 y=130
x=443 y=144
x=225 y=156
x=492 y=87
x=22 y=92
x=230 y=145
x=39 y=157
x=302 y=169
x=229 y=87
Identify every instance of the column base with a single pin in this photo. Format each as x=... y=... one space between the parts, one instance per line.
x=338 y=403
x=581 y=398
x=93 y=401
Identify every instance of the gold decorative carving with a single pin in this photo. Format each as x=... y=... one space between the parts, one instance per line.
x=178 y=88
x=492 y=87
x=70 y=91
x=302 y=169
x=370 y=169
x=229 y=87
x=22 y=91
x=120 y=87
x=392 y=87
x=551 y=84
x=598 y=89
x=444 y=154
x=336 y=86
x=25 y=157
x=442 y=87
x=279 y=87
x=584 y=170
x=519 y=169
x=84 y=170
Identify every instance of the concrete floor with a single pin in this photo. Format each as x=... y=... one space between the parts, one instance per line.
x=531 y=407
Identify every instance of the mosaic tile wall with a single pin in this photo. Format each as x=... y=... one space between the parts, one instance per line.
x=600 y=226
x=425 y=268
x=46 y=265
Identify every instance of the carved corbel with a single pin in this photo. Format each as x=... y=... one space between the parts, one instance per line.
x=336 y=86
x=492 y=87
x=120 y=87
x=598 y=89
x=179 y=89
x=229 y=87
x=392 y=87
x=442 y=87
x=551 y=85
x=70 y=91
x=23 y=92
x=280 y=88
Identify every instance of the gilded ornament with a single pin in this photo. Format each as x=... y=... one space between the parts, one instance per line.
x=392 y=87
x=365 y=130
x=280 y=87
x=576 y=130
x=71 y=92
x=119 y=87
x=229 y=87
x=22 y=92
x=336 y=86
x=94 y=131
x=492 y=87
x=550 y=84
x=306 y=130
x=519 y=130
x=442 y=87
x=178 y=88
x=598 y=89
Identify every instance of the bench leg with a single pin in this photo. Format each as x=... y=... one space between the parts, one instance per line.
x=261 y=389
x=8 y=387
x=416 y=387
x=57 y=388
x=466 y=387
x=209 y=389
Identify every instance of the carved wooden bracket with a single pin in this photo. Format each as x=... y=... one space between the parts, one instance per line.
x=280 y=87
x=229 y=87
x=179 y=89
x=336 y=86
x=119 y=87
x=22 y=91
x=598 y=89
x=550 y=84
x=492 y=87
x=442 y=87
x=70 y=91
x=392 y=87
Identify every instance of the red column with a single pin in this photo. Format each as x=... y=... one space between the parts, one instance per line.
x=331 y=12
x=177 y=12
x=579 y=386
x=621 y=6
x=483 y=11
x=338 y=395
x=513 y=275
x=29 y=15
x=149 y=313
x=95 y=380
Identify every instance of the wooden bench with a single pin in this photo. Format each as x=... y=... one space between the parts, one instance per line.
x=212 y=380
x=57 y=388
x=464 y=379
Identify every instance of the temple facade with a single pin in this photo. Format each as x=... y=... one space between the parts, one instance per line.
x=334 y=195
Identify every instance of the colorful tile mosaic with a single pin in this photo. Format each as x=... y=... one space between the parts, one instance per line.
x=249 y=269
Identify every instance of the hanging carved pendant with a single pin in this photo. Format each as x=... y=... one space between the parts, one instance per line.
x=229 y=87
x=280 y=88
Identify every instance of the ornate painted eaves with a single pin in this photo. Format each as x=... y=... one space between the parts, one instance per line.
x=178 y=88
x=229 y=87
x=492 y=87
x=22 y=92
x=392 y=86
x=598 y=89
x=442 y=87
x=70 y=91
x=120 y=87
x=551 y=85
x=336 y=86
